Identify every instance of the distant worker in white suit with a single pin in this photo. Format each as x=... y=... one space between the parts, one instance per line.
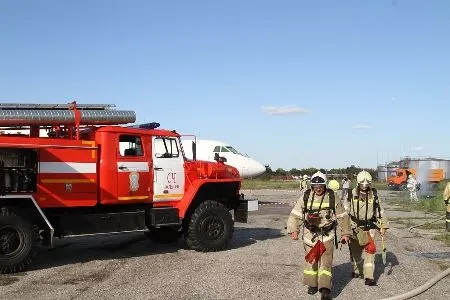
x=345 y=188
x=411 y=185
x=305 y=184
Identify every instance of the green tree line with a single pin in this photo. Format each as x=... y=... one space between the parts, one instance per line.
x=351 y=172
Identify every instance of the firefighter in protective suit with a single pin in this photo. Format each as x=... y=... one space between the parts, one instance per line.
x=366 y=217
x=304 y=183
x=411 y=185
x=320 y=212
x=334 y=185
x=446 y=196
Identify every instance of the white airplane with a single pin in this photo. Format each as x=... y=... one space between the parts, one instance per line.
x=207 y=149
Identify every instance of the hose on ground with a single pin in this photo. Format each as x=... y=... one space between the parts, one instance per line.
x=421 y=288
x=426 y=223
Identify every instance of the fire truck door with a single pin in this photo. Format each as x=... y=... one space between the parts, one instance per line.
x=132 y=169
x=168 y=176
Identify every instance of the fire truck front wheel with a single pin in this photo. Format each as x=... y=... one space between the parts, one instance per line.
x=18 y=242
x=209 y=228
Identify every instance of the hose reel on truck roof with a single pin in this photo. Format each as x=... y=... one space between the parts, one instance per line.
x=19 y=163
x=66 y=114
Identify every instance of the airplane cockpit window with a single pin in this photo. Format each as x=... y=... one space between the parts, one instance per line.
x=223 y=149
x=234 y=150
x=216 y=149
x=165 y=147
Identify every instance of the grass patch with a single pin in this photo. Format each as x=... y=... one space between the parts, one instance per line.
x=434 y=204
x=258 y=184
x=443 y=237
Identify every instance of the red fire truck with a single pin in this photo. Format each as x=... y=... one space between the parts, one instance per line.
x=90 y=174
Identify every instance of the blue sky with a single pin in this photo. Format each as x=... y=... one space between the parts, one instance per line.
x=294 y=84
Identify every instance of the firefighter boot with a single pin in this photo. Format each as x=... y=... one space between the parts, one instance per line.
x=370 y=282
x=326 y=294
x=312 y=290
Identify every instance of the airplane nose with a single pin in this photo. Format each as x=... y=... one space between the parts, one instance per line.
x=259 y=169
x=254 y=169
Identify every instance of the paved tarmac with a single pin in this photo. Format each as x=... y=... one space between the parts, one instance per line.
x=261 y=263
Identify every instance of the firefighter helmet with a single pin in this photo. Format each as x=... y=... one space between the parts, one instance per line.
x=319 y=178
x=334 y=185
x=364 y=179
x=410 y=176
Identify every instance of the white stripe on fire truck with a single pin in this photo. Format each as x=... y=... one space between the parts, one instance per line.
x=136 y=166
x=67 y=167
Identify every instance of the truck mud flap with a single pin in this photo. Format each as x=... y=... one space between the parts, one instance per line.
x=164 y=216
x=244 y=206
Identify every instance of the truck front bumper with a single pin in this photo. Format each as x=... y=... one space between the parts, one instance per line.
x=242 y=209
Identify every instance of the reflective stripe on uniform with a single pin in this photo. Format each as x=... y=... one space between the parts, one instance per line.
x=342 y=215
x=317 y=204
x=324 y=272
x=357 y=200
x=296 y=212
x=368 y=265
x=310 y=272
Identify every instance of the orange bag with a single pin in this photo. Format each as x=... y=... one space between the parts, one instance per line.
x=370 y=247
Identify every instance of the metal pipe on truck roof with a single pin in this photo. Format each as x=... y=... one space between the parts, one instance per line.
x=19 y=117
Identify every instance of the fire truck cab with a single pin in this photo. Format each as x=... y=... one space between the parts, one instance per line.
x=89 y=175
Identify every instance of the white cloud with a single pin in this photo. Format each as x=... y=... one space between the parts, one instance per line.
x=284 y=110
x=417 y=148
x=361 y=126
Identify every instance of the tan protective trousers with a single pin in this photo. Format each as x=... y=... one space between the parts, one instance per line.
x=319 y=274
x=363 y=262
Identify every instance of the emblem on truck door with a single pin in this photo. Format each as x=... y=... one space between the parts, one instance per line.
x=134 y=181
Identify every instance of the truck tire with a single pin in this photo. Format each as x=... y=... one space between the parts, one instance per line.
x=18 y=242
x=209 y=228
x=164 y=235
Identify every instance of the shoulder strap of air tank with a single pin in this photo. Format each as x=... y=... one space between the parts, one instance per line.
x=305 y=199
x=331 y=199
x=376 y=203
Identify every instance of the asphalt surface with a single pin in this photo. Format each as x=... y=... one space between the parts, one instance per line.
x=261 y=263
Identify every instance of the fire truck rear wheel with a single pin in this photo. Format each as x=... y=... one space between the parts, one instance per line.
x=18 y=242
x=210 y=227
